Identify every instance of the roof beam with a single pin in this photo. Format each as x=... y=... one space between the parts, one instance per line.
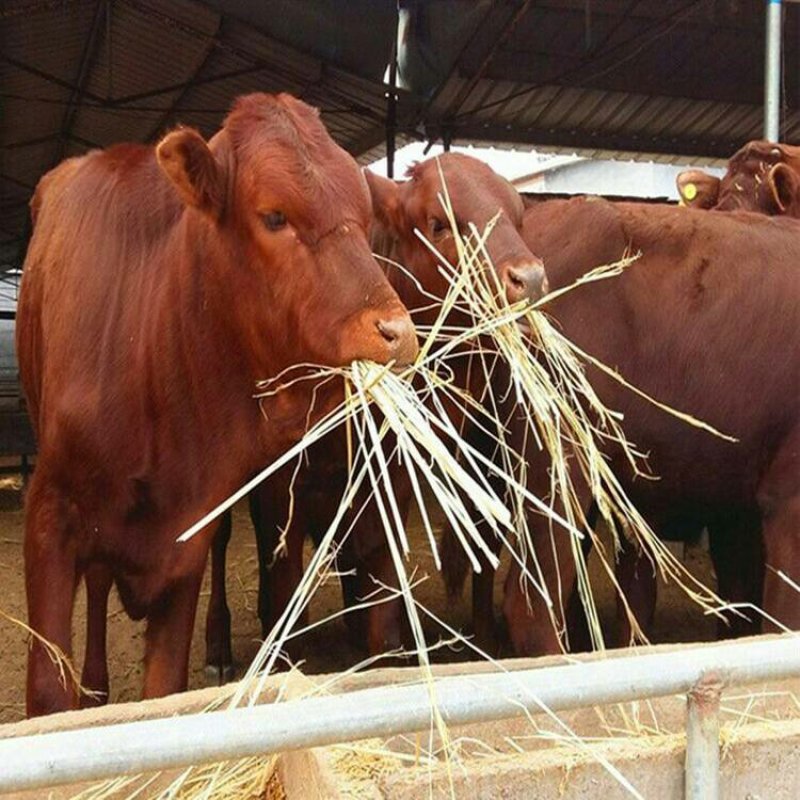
x=20 y=143
x=16 y=182
x=499 y=40
x=191 y=83
x=90 y=49
x=40 y=73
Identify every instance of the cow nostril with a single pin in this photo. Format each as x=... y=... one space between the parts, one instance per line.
x=523 y=282
x=390 y=330
x=515 y=280
x=401 y=337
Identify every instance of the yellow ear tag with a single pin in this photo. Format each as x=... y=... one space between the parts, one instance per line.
x=689 y=191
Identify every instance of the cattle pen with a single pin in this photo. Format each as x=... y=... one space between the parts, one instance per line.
x=399 y=399
x=702 y=673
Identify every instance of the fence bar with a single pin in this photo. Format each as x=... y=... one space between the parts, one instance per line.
x=103 y=752
x=772 y=72
x=702 y=739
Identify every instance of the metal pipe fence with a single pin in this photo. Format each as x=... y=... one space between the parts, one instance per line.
x=146 y=746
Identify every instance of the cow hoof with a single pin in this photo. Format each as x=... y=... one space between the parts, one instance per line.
x=217 y=675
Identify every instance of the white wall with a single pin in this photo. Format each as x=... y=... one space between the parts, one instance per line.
x=626 y=178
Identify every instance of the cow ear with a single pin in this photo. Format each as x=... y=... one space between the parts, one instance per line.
x=783 y=182
x=385 y=200
x=697 y=188
x=184 y=157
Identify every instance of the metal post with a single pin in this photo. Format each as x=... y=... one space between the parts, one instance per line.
x=772 y=72
x=702 y=739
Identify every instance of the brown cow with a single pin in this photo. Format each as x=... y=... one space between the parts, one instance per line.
x=765 y=178
x=762 y=176
x=160 y=285
x=477 y=194
x=707 y=321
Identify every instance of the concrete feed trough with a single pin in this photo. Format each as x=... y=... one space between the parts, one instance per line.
x=571 y=754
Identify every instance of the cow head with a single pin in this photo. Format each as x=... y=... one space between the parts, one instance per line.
x=763 y=177
x=477 y=195
x=279 y=217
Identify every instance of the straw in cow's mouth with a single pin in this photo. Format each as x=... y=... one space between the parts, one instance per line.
x=564 y=417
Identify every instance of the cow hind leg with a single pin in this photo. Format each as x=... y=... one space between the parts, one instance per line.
x=736 y=548
x=782 y=555
x=94 y=679
x=50 y=582
x=219 y=653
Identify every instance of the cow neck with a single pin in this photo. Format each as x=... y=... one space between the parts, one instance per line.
x=218 y=420
x=239 y=435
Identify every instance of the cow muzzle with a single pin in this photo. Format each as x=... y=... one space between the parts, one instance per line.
x=384 y=335
x=524 y=281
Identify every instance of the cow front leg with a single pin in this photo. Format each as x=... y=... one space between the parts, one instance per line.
x=50 y=582
x=483 y=604
x=94 y=679
x=535 y=626
x=386 y=624
x=637 y=583
x=219 y=653
x=779 y=499
x=168 y=637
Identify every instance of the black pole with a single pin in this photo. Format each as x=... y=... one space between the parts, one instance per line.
x=391 y=113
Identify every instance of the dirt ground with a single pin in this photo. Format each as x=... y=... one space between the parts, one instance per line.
x=325 y=649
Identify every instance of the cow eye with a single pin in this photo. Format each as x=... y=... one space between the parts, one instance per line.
x=275 y=220
x=438 y=227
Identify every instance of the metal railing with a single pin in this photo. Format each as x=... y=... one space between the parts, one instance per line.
x=701 y=672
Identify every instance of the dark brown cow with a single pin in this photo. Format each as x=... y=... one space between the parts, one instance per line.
x=477 y=194
x=707 y=321
x=159 y=286
x=762 y=176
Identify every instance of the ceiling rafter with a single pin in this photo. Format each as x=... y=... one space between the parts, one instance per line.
x=190 y=84
x=88 y=57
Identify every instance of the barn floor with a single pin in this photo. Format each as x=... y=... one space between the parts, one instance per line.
x=325 y=649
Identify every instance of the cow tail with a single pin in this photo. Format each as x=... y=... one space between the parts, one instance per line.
x=455 y=563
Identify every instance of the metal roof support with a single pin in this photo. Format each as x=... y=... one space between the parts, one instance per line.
x=772 y=72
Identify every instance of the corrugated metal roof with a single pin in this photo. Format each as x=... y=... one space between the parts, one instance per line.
x=660 y=79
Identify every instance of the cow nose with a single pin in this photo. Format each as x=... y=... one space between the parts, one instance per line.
x=401 y=338
x=524 y=282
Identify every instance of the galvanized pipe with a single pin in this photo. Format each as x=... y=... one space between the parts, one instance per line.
x=104 y=752
x=702 y=739
x=772 y=72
